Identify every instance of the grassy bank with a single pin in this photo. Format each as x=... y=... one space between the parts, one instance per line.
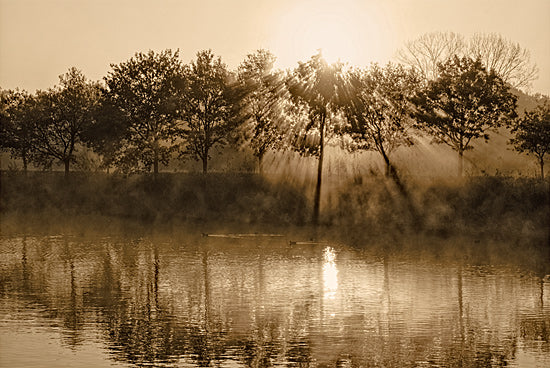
x=476 y=205
x=359 y=209
x=239 y=198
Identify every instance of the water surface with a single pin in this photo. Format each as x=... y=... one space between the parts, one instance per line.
x=103 y=300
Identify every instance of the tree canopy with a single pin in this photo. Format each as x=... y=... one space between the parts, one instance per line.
x=532 y=134
x=264 y=98
x=378 y=111
x=62 y=114
x=462 y=104
x=210 y=106
x=147 y=90
x=17 y=125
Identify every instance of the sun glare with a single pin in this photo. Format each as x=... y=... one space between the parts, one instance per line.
x=341 y=30
x=330 y=33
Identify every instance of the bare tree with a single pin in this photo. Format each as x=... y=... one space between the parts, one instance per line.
x=507 y=59
x=426 y=52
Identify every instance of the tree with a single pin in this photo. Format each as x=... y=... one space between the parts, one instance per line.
x=17 y=125
x=63 y=113
x=507 y=59
x=425 y=53
x=210 y=106
x=462 y=104
x=147 y=90
x=378 y=111
x=532 y=134
x=105 y=134
x=315 y=85
x=263 y=102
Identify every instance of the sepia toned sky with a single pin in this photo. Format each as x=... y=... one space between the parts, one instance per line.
x=41 y=39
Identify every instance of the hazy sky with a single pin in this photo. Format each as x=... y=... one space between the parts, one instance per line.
x=41 y=39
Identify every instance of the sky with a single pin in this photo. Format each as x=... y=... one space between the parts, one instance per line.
x=41 y=39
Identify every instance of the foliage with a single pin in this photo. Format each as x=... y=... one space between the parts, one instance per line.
x=264 y=102
x=315 y=87
x=63 y=113
x=106 y=133
x=462 y=104
x=378 y=111
x=17 y=124
x=147 y=91
x=532 y=133
x=210 y=106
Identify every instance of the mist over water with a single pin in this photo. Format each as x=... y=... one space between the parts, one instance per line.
x=184 y=299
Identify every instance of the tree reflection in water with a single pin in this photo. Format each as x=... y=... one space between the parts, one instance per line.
x=206 y=303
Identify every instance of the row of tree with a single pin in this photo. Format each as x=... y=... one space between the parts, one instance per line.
x=152 y=107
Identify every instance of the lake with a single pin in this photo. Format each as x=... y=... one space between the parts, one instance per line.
x=187 y=300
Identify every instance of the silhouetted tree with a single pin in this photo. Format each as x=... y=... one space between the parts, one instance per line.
x=63 y=113
x=210 y=106
x=147 y=89
x=379 y=110
x=532 y=134
x=462 y=104
x=17 y=125
x=105 y=134
x=263 y=102
x=315 y=85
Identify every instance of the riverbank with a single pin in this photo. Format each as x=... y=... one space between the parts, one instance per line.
x=497 y=206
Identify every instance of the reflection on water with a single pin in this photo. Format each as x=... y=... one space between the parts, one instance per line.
x=330 y=273
x=103 y=301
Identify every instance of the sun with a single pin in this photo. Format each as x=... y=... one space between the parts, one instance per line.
x=330 y=34
x=340 y=30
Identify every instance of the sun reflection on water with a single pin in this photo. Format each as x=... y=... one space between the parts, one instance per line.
x=330 y=273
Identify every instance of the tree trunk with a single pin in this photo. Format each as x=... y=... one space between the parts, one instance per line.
x=389 y=168
x=205 y=164
x=24 y=157
x=542 y=168
x=155 y=160
x=67 y=162
x=317 y=198
x=391 y=172
x=260 y=163
x=460 y=162
x=155 y=167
